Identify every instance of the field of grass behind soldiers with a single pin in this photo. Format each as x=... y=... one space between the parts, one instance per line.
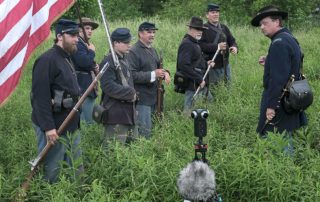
x=247 y=168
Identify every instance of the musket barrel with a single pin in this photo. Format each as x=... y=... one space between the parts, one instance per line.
x=207 y=71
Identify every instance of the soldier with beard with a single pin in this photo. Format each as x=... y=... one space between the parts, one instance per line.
x=191 y=63
x=55 y=91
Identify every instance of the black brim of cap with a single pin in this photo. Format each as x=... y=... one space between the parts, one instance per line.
x=72 y=32
x=147 y=29
x=256 y=20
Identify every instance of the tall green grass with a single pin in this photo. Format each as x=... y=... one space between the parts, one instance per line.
x=247 y=168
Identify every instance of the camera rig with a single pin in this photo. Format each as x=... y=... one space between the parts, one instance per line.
x=200 y=131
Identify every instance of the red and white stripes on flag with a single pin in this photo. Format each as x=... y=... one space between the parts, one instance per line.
x=24 y=24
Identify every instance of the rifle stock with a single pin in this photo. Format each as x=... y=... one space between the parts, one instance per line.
x=160 y=91
x=36 y=162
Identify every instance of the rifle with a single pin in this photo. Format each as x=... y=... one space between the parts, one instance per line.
x=205 y=75
x=114 y=56
x=36 y=162
x=160 y=91
x=224 y=60
x=86 y=40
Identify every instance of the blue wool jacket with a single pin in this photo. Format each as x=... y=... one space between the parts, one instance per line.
x=84 y=63
x=283 y=60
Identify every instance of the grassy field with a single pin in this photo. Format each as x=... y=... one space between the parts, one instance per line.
x=247 y=168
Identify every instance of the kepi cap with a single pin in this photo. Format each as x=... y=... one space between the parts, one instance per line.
x=121 y=35
x=147 y=26
x=66 y=26
x=213 y=7
x=268 y=11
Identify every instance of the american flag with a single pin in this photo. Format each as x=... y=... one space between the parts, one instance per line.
x=24 y=24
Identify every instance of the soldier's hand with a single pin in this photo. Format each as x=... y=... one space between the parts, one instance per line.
x=202 y=84
x=262 y=60
x=233 y=50
x=52 y=136
x=211 y=64
x=222 y=45
x=96 y=69
x=159 y=73
x=91 y=47
x=167 y=78
x=270 y=113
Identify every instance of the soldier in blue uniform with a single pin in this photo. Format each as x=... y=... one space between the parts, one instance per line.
x=55 y=91
x=119 y=95
x=86 y=67
x=217 y=34
x=283 y=60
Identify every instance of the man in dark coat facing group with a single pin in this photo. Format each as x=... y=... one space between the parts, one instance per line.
x=283 y=60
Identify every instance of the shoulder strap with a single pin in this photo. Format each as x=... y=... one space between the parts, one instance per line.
x=216 y=29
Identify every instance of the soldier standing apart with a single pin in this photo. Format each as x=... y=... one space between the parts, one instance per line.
x=217 y=35
x=55 y=91
x=283 y=60
x=144 y=62
x=86 y=67
x=119 y=95
x=191 y=63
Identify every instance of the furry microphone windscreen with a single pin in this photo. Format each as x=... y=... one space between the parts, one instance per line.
x=196 y=182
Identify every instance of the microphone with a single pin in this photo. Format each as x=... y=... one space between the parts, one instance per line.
x=196 y=182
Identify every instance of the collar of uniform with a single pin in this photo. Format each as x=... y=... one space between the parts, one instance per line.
x=208 y=24
x=61 y=51
x=119 y=56
x=278 y=32
x=191 y=38
x=142 y=44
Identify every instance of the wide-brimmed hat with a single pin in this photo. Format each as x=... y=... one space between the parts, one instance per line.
x=121 y=35
x=267 y=11
x=88 y=21
x=197 y=23
x=66 y=26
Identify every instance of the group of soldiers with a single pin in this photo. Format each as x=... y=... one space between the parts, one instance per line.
x=129 y=92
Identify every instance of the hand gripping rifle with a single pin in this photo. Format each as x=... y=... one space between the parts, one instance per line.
x=114 y=56
x=160 y=91
x=36 y=162
x=205 y=75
